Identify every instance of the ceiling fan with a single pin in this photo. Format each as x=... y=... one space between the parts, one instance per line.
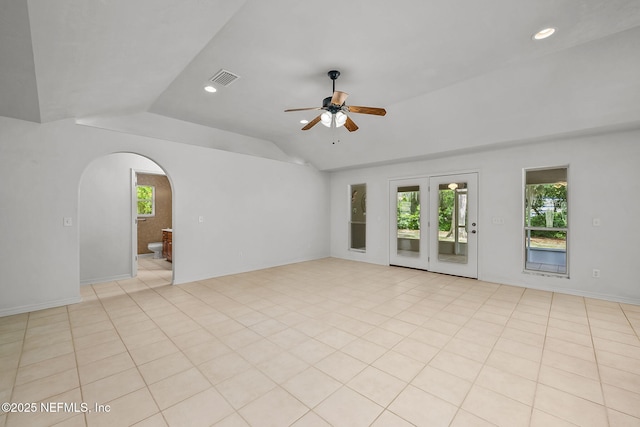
x=335 y=114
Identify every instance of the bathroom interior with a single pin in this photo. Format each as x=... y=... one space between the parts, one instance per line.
x=154 y=221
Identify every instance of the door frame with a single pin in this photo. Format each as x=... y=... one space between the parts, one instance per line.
x=426 y=224
x=134 y=223
x=134 y=215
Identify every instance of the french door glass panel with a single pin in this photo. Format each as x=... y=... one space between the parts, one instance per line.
x=408 y=221
x=408 y=247
x=453 y=224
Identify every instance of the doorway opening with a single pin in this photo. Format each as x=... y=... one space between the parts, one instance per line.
x=434 y=223
x=107 y=221
x=153 y=238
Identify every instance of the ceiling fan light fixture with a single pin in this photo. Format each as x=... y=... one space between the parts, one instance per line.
x=326 y=118
x=341 y=119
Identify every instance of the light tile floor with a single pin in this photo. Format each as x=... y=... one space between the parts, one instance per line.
x=327 y=342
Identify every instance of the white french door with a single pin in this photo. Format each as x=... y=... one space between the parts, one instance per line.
x=453 y=247
x=408 y=241
x=434 y=224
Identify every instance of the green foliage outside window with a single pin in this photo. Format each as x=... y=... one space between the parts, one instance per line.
x=145 y=199
x=547 y=207
x=445 y=210
x=408 y=209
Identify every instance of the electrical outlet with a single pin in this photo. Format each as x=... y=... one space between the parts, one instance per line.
x=596 y=273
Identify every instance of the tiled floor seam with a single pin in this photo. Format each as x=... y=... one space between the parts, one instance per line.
x=17 y=369
x=236 y=410
x=129 y=353
x=595 y=356
x=435 y=355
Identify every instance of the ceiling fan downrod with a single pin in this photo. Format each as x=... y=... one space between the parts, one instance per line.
x=333 y=75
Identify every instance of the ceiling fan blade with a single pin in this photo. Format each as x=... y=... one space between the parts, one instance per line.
x=303 y=109
x=311 y=124
x=367 y=110
x=350 y=125
x=338 y=97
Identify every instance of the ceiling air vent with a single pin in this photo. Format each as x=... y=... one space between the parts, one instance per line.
x=224 y=78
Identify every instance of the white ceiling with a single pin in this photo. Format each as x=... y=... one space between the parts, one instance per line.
x=454 y=76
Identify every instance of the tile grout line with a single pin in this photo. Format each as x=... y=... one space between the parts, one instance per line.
x=253 y=365
x=15 y=376
x=544 y=344
x=75 y=357
x=435 y=355
x=128 y=351
x=485 y=360
x=595 y=356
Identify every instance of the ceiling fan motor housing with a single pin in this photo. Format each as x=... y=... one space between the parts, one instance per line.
x=327 y=105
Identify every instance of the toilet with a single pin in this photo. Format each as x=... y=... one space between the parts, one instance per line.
x=156 y=248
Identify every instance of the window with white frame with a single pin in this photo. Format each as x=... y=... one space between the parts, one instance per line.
x=546 y=224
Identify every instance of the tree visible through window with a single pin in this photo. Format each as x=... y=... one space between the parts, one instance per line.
x=146 y=200
x=546 y=222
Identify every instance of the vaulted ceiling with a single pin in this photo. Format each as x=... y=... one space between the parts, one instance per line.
x=454 y=76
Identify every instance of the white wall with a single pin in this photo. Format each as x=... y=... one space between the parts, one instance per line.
x=604 y=182
x=105 y=217
x=258 y=212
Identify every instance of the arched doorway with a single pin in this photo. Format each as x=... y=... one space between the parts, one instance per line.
x=107 y=218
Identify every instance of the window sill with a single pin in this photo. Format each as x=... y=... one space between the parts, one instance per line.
x=546 y=274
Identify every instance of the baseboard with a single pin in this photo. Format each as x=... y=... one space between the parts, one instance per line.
x=39 y=306
x=587 y=294
x=97 y=280
x=567 y=291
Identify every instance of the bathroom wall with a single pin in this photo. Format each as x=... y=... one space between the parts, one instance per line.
x=150 y=228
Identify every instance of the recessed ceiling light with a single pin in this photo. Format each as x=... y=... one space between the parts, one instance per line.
x=210 y=89
x=304 y=122
x=543 y=34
